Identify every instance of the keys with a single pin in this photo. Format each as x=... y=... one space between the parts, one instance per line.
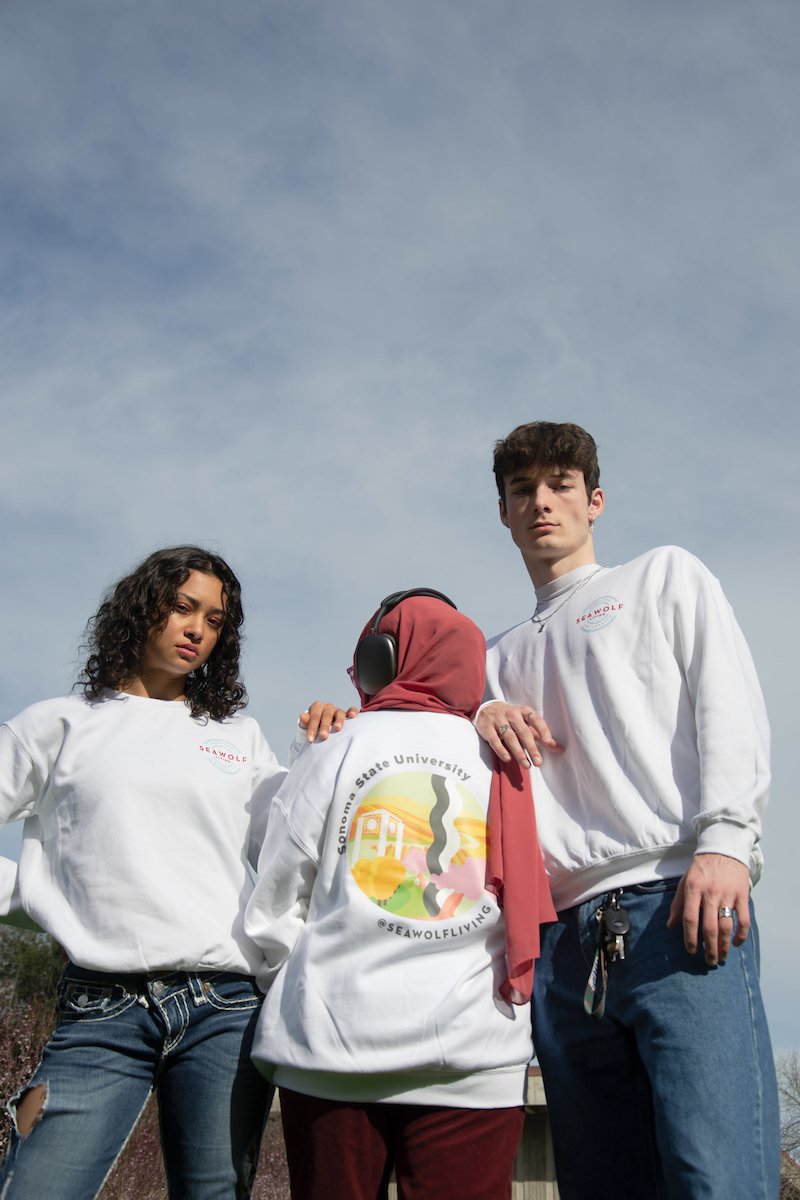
x=612 y=925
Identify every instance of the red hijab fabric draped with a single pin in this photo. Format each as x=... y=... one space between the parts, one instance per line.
x=441 y=667
x=441 y=660
x=515 y=874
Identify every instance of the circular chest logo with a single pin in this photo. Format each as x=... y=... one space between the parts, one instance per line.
x=599 y=613
x=223 y=755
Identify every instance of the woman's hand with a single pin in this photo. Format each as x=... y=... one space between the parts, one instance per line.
x=321 y=718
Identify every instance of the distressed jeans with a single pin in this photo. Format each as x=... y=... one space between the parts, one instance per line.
x=672 y=1094
x=118 y=1038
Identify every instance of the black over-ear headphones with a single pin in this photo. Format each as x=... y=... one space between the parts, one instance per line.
x=376 y=653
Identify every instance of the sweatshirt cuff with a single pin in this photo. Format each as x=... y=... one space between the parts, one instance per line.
x=299 y=742
x=11 y=910
x=723 y=837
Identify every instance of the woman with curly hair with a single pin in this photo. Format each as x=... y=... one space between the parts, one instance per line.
x=145 y=800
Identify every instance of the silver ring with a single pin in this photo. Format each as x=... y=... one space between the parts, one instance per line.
x=531 y=713
x=725 y=911
x=503 y=730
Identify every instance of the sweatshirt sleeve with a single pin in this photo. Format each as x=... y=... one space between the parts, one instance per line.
x=9 y=892
x=21 y=784
x=278 y=907
x=492 y=690
x=289 y=860
x=11 y=910
x=22 y=781
x=268 y=775
x=730 y=717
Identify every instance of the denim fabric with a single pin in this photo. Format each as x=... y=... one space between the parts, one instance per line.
x=187 y=1036
x=672 y=1093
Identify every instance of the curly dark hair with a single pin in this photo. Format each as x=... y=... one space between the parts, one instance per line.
x=547 y=444
x=116 y=636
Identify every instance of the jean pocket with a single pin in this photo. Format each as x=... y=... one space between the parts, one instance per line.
x=89 y=1000
x=232 y=992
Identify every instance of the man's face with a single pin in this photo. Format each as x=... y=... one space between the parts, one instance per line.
x=548 y=513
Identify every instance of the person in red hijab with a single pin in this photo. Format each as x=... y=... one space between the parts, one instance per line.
x=399 y=931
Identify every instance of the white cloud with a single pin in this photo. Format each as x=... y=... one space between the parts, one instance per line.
x=279 y=275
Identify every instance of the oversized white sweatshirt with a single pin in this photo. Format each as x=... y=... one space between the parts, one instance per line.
x=139 y=822
x=645 y=678
x=384 y=951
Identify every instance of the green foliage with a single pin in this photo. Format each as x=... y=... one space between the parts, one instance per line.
x=788 y=1068
x=30 y=964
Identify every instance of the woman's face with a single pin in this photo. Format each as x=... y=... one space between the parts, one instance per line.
x=191 y=631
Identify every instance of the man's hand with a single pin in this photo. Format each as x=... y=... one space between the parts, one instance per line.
x=713 y=882
x=320 y=719
x=513 y=732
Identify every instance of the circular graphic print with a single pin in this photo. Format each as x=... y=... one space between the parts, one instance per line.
x=417 y=846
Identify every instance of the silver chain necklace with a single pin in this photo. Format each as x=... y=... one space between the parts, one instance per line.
x=542 y=621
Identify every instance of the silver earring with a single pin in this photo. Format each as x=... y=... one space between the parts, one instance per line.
x=591 y=525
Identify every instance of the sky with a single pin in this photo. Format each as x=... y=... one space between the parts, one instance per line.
x=278 y=273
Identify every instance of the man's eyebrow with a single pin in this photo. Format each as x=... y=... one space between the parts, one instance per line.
x=545 y=472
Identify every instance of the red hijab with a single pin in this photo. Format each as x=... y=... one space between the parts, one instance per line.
x=441 y=660
x=441 y=667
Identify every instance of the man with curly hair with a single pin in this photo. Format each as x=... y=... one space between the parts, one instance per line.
x=633 y=694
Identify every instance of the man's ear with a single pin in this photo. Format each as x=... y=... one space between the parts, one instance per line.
x=503 y=513
x=597 y=503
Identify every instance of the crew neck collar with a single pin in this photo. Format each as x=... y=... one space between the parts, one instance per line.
x=559 y=587
x=130 y=697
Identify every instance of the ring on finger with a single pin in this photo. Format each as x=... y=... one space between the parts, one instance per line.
x=725 y=911
x=503 y=730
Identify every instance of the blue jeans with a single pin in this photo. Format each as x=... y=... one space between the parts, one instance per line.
x=186 y=1036
x=672 y=1093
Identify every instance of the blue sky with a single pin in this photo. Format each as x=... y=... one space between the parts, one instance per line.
x=276 y=275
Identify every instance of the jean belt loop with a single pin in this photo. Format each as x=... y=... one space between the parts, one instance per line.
x=196 y=988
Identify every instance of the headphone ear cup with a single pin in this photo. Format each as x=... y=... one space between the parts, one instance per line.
x=376 y=662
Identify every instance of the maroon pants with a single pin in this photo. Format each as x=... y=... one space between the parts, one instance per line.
x=339 y=1151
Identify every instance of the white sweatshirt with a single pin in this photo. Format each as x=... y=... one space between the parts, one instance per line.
x=645 y=678
x=139 y=822
x=384 y=951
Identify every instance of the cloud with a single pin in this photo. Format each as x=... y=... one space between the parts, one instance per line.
x=277 y=277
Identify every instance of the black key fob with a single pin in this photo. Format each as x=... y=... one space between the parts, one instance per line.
x=616 y=923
